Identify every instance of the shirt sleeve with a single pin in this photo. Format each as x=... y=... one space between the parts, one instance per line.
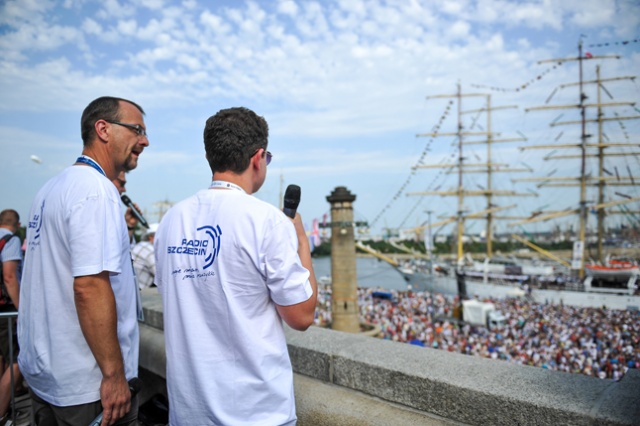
x=94 y=243
x=287 y=280
x=12 y=250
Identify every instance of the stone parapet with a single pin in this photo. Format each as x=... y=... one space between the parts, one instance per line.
x=340 y=373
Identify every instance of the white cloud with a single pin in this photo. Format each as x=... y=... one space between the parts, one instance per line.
x=340 y=74
x=127 y=27
x=215 y=23
x=153 y=4
x=114 y=9
x=287 y=7
x=459 y=29
x=91 y=26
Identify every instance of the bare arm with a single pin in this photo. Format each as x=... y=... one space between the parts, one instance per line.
x=301 y=315
x=10 y=276
x=96 y=308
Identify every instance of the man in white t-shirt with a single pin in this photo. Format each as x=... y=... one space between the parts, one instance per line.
x=230 y=268
x=78 y=328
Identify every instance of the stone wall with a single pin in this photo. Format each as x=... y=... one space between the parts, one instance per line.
x=351 y=379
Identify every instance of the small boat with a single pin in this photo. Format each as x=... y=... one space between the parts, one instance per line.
x=611 y=270
x=615 y=276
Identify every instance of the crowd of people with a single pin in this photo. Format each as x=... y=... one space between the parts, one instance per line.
x=597 y=342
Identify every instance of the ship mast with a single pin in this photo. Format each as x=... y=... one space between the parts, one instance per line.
x=463 y=167
x=584 y=180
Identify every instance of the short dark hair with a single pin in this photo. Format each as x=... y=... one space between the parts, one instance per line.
x=103 y=108
x=9 y=217
x=232 y=137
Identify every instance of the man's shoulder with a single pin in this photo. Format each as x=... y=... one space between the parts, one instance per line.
x=77 y=182
x=254 y=204
x=10 y=245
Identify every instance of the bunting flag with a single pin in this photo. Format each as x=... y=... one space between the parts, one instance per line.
x=615 y=43
x=520 y=87
x=623 y=127
x=315 y=233
x=425 y=151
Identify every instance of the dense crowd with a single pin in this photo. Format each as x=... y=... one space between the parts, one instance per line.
x=597 y=342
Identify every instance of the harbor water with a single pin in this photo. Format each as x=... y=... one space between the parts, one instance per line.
x=371 y=273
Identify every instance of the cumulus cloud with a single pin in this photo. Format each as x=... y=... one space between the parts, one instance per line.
x=333 y=71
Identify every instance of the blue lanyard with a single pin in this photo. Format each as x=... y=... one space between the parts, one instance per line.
x=88 y=160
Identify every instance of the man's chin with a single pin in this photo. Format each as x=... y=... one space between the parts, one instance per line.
x=131 y=164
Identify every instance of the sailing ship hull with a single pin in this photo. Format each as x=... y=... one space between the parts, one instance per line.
x=596 y=297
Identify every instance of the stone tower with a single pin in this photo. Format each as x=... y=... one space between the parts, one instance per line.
x=344 y=300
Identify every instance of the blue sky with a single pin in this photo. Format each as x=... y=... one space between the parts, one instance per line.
x=343 y=85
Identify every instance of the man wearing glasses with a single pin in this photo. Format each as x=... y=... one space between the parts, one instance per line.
x=230 y=268
x=78 y=326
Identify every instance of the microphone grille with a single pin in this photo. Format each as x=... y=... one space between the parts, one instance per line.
x=292 y=196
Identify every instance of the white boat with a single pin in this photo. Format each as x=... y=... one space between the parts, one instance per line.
x=612 y=277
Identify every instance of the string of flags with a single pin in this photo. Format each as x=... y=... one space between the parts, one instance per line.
x=431 y=187
x=522 y=86
x=623 y=127
x=442 y=173
x=588 y=55
x=427 y=148
x=615 y=43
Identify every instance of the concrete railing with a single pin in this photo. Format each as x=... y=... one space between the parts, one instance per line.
x=338 y=374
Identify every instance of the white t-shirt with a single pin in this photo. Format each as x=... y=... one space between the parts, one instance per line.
x=223 y=260
x=76 y=228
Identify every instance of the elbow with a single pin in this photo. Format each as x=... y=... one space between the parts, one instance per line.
x=300 y=322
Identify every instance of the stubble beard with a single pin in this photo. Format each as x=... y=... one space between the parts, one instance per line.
x=131 y=163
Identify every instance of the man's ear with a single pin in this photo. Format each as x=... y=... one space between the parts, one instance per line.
x=256 y=159
x=102 y=130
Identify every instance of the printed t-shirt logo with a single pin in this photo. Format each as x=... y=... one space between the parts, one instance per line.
x=206 y=245
x=36 y=222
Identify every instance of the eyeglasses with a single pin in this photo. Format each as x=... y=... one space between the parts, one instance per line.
x=140 y=131
x=267 y=154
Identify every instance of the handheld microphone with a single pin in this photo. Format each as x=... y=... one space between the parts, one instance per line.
x=291 y=200
x=135 y=385
x=127 y=201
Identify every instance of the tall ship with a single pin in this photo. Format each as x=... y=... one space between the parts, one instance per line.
x=598 y=176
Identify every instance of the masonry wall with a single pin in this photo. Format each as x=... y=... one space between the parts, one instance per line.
x=350 y=379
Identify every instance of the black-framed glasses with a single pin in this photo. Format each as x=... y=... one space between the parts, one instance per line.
x=140 y=131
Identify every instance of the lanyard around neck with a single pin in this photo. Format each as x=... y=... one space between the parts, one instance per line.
x=85 y=159
x=226 y=185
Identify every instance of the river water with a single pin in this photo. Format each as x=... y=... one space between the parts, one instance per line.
x=371 y=272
